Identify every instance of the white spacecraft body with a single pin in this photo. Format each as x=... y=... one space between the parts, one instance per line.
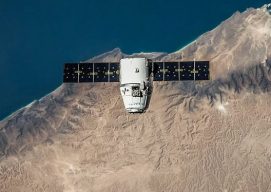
x=135 y=83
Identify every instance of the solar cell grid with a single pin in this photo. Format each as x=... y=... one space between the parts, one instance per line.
x=186 y=69
x=158 y=71
x=171 y=71
x=114 y=72
x=70 y=73
x=202 y=69
x=86 y=72
x=101 y=72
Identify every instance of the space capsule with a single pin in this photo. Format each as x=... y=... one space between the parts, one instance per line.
x=135 y=83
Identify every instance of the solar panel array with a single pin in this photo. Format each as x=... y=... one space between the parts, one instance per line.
x=181 y=71
x=162 y=71
x=91 y=72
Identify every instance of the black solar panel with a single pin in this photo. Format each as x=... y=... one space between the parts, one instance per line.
x=91 y=72
x=158 y=69
x=70 y=73
x=101 y=72
x=171 y=71
x=86 y=72
x=202 y=69
x=186 y=70
x=114 y=72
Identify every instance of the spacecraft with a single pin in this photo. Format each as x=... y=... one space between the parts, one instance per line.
x=136 y=76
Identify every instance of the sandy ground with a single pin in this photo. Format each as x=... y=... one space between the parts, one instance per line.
x=224 y=147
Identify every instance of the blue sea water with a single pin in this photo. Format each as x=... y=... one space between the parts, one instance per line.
x=37 y=37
